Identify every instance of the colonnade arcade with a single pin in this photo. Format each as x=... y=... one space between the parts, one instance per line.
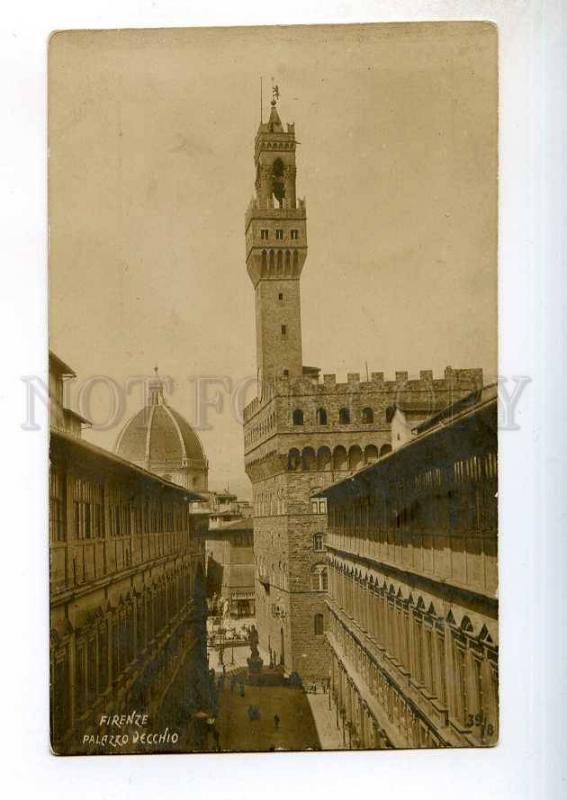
x=339 y=458
x=124 y=648
x=448 y=654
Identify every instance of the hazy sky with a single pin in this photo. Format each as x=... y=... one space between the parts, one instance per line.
x=151 y=169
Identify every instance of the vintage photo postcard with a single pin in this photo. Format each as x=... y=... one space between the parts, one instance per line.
x=273 y=396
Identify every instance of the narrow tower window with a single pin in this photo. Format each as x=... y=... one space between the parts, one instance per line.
x=280 y=296
x=321 y=416
x=279 y=233
x=284 y=330
x=319 y=578
x=367 y=415
x=298 y=417
x=278 y=182
x=295 y=234
x=264 y=233
x=344 y=416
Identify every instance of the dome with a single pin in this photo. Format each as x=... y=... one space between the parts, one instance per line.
x=161 y=440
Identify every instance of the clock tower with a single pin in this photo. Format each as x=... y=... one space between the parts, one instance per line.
x=276 y=249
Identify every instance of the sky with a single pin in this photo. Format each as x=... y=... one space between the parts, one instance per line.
x=151 y=144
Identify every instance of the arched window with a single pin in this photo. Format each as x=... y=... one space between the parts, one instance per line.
x=294 y=459
x=339 y=458
x=264 y=259
x=280 y=259
x=278 y=181
x=370 y=454
x=298 y=417
x=287 y=259
x=354 y=457
x=271 y=259
x=386 y=448
x=321 y=416
x=323 y=459
x=318 y=627
x=278 y=168
x=367 y=415
x=319 y=542
x=319 y=578
x=308 y=458
x=344 y=416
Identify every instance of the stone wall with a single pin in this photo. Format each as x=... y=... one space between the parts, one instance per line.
x=289 y=463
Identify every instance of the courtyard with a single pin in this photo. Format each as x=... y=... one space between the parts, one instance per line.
x=296 y=729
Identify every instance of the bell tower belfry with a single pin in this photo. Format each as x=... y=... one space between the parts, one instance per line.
x=276 y=249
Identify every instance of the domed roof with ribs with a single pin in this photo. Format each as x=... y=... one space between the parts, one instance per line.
x=158 y=436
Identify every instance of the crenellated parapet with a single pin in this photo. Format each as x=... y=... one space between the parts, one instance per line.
x=361 y=399
x=311 y=425
x=268 y=209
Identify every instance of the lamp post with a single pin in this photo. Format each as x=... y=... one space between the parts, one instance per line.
x=221 y=647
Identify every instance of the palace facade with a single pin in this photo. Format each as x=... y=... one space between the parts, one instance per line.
x=301 y=432
x=127 y=586
x=412 y=628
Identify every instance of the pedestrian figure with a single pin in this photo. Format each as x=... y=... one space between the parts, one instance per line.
x=242 y=691
x=232 y=684
x=216 y=737
x=251 y=715
x=276 y=721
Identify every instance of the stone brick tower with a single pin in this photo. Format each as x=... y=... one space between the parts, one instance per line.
x=276 y=249
x=301 y=433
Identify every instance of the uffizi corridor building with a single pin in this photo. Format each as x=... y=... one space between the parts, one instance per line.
x=303 y=432
x=412 y=629
x=127 y=583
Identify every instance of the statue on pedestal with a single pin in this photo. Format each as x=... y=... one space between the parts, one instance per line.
x=255 y=663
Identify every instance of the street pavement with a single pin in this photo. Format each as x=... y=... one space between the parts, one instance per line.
x=305 y=720
x=238 y=733
x=325 y=722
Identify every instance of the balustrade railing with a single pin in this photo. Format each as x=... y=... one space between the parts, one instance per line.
x=466 y=559
x=78 y=562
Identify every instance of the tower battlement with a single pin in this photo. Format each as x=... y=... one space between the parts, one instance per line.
x=401 y=386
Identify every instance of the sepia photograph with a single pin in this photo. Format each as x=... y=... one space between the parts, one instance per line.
x=273 y=360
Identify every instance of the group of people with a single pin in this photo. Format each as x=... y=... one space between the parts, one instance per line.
x=237 y=681
x=254 y=714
